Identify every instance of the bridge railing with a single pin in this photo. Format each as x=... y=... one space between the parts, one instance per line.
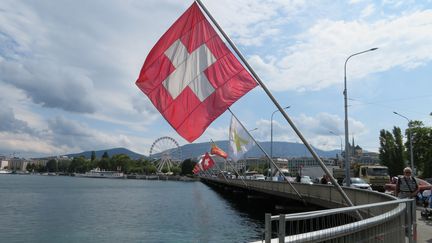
x=317 y=226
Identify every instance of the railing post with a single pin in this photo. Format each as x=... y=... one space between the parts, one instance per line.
x=414 y=220
x=409 y=221
x=281 y=233
x=267 y=230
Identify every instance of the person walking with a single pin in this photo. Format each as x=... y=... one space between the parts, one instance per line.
x=407 y=186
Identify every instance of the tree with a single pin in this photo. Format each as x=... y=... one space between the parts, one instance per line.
x=121 y=162
x=79 y=165
x=105 y=155
x=52 y=165
x=422 y=147
x=186 y=167
x=93 y=155
x=391 y=151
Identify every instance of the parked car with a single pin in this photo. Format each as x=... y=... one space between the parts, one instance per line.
x=358 y=183
x=423 y=185
x=259 y=177
x=306 y=180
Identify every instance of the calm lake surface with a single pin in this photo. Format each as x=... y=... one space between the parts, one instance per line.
x=68 y=209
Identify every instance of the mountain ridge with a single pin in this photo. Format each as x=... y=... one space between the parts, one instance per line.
x=194 y=150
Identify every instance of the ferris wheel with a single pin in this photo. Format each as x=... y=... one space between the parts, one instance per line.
x=165 y=152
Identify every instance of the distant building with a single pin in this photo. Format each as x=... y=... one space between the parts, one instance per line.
x=19 y=164
x=4 y=164
x=361 y=157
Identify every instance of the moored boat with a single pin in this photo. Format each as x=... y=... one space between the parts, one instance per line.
x=98 y=173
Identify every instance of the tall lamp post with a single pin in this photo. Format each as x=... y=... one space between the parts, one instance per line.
x=271 y=130
x=271 y=138
x=340 y=141
x=410 y=138
x=347 y=155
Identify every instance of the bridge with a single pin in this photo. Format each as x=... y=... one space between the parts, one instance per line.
x=377 y=217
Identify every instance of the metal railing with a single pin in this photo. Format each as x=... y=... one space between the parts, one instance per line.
x=395 y=222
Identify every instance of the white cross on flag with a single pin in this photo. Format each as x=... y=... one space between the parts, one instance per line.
x=207 y=162
x=190 y=75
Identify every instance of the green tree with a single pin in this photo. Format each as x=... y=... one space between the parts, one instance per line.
x=186 y=167
x=422 y=147
x=93 y=156
x=52 y=165
x=121 y=162
x=176 y=170
x=79 y=165
x=399 y=152
x=105 y=155
x=391 y=151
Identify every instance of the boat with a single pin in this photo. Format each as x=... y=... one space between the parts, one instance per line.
x=98 y=173
x=5 y=171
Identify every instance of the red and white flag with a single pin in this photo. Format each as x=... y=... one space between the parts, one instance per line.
x=217 y=151
x=191 y=76
x=196 y=168
x=207 y=162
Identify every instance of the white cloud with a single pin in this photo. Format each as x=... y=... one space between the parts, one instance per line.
x=367 y=11
x=317 y=60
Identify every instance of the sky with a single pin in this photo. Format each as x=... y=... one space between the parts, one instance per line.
x=68 y=71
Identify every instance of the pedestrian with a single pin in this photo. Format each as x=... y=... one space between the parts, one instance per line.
x=298 y=177
x=324 y=179
x=406 y=186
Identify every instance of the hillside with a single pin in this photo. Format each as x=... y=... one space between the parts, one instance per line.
x=193 y=150
x=280 y=149
x=111 y=152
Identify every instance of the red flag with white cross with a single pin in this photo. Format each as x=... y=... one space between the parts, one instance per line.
x=207 y=162
x=191 y=76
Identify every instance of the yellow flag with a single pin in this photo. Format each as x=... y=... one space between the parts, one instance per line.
x=240 y=141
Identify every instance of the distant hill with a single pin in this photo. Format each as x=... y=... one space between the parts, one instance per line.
x=280 y=149
x=194 y=150
x=111 y=152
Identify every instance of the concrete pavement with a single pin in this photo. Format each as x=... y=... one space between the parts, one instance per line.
x=424 y=228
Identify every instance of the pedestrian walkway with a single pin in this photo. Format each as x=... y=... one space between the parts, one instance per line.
x=424 y=228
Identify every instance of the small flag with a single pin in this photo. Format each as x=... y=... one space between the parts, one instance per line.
x=217 y=151
x=240 y=141
x=207 y=162
x=196 y=169
x=191 y=76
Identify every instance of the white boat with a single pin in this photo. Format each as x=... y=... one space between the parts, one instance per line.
x=98 y=173
x=5 y=172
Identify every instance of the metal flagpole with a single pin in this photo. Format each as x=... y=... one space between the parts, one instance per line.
x=219 y=170
x=232 y=166
x=268 y=156
x=257 y=78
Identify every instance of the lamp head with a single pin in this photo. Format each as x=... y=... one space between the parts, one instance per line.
x=373 y=49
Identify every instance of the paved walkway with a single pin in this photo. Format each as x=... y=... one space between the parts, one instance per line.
x=424 y=228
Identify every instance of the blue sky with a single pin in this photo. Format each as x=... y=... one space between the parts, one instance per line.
x=68 y=70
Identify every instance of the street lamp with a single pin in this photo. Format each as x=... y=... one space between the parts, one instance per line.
x=347 y=156
x=340 y=141
x=271 y=130
x=256 y=128
x=410 y=138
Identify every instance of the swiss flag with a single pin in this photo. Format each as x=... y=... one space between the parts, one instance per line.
x=191 y=76
x=196 y=169
x=207 y=162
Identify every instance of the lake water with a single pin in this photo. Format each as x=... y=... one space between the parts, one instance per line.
x=68 y=209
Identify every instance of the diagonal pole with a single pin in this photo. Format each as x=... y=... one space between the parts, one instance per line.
x=267 y=91
x=232 y=166
x=268 y=156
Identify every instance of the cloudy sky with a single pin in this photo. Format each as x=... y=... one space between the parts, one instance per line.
x=68 y=70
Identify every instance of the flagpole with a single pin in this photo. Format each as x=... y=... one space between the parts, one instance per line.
x=232 y=166
x=268 y=156
x=259 y=81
